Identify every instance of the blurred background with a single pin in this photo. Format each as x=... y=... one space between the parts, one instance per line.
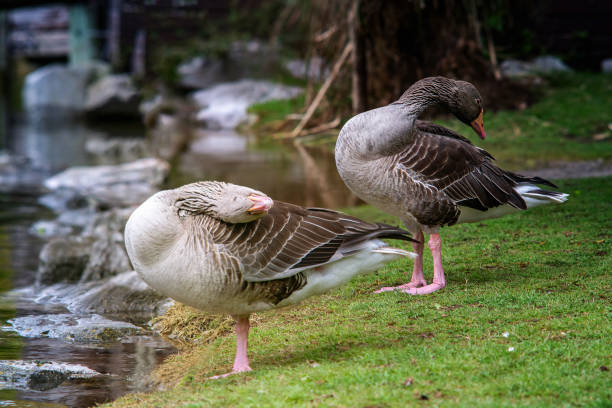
x=104 y=102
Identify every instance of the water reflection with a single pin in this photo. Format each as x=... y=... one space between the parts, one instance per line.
x=294 y=173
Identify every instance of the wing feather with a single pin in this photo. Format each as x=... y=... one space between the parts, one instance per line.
x=290 y=238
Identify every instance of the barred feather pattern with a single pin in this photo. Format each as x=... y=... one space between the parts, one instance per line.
x=419 y=170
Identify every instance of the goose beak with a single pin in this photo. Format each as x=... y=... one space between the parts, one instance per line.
x=478 y=125
x=261 y=204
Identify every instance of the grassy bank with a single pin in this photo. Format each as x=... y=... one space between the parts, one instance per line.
x=571 y=121
x=525 y=321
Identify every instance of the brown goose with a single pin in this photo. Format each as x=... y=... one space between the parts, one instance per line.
x=428 y=175
x=224 y=248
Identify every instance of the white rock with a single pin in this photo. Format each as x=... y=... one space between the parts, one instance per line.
x=224 y=106
x=119 y=185
x=112 y=95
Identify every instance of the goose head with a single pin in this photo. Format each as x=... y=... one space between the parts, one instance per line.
x=224 y=201
x=466 y=105
x=460 y=97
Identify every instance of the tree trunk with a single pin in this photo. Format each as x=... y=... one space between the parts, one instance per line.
x=359 y=73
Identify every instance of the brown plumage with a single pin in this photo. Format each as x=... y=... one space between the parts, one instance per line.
x=426 y=174
x=230 y=249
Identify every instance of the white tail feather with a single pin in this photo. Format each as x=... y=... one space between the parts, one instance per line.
x=395 y=251
x=532 y=194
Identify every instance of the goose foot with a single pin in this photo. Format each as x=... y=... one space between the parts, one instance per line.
x=234 y=371
x=403 y=288
x=424 y=290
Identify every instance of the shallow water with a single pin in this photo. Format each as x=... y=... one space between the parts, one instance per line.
x=126 y=364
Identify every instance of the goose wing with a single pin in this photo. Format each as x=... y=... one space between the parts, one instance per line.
x=290 y=239
x=449 y=166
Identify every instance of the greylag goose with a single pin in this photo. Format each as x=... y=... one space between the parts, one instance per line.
x=229 y=249
x=427 y=175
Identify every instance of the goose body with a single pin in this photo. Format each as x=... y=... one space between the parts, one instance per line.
x=428 y=175
x=229 y=249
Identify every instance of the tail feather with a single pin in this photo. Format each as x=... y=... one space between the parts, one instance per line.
x=539 y=194
x=395 y=251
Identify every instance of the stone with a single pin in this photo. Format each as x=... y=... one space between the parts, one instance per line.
x=49 y=229
x=72 y=328
x=107 y=257
x=125 y=293
x=60 y=86
x=40 y=375
x=315 y=68
x=116 y=150
x=97 y=253
x=224 y=106
x=201 y=72
x=114 y=185
x=243 y=59
x=606 y=65
x=515 y=68
x=548 y=64
x=17 y=175
x=63 y=260
x=112 y=96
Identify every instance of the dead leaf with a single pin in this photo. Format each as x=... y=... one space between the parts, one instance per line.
x=408 y=382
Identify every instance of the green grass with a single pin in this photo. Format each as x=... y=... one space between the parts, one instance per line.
x=542 y=276
x=560 y=127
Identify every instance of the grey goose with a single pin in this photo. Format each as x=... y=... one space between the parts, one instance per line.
x=229 y=249
x=428 y=175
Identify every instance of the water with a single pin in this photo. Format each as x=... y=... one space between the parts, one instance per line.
x=126 y=364
x=305 y=176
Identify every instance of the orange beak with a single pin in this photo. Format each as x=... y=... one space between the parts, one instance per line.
x=261 y=204
x=478 y=125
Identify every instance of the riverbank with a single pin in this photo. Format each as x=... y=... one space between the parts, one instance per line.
x=523 y=321
x=569 y=122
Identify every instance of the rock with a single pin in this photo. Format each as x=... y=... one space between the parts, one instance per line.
x=50 y=229
x=315 y=68
x=99 y=252
x=547 y=64
x=202 y=72
x=117 y=150
x=63 y=260
x=112 y=96
x=60 y=86
x=515 y=68
x=114 y=185
x=606 y=65
x=17 y=175
x=224 y=106
x=68 y=327
x=40 y=375
x=124 y=293
x=107 y=257
x=170 y=135
x=243 y=59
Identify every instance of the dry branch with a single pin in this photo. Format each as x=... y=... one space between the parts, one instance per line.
x=317 y=100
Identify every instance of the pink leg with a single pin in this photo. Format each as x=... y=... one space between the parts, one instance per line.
x=435 y=245
x=241 y=362
x=418 y=279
